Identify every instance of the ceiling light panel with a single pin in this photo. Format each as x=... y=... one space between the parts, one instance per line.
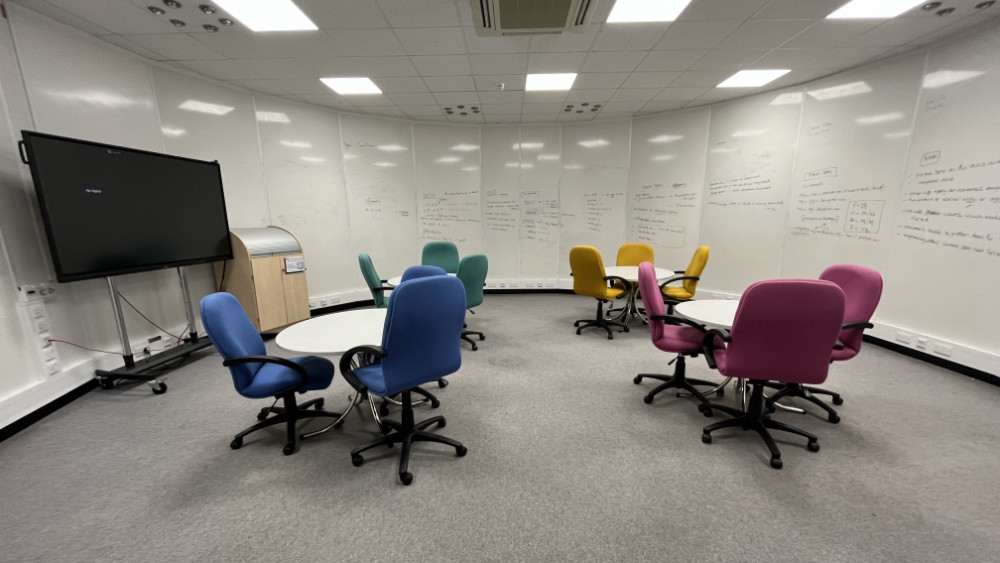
x=632 y=11
x=559 y=81
x=878 y=9
x=205 y=107
x=268 y=15
x=752 y=78
x=351 y=86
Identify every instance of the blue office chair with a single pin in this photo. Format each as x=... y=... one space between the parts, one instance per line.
x=472 y=271
x=420 y=343
x=257 y=375
x=441 y=253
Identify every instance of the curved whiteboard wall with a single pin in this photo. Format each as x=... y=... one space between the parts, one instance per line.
x=893 y=166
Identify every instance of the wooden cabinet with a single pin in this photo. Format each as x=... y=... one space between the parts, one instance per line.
x=267 y=276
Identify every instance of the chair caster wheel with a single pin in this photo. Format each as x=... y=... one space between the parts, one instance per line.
x=435 y=403
x=289 y=449
x=442 y=423
x=720 y=393
x=837 y=400
x=159 y=388
x=406 y=477
x=106 y=383
x=236 y=443
x=648 y=399
x=706 y=438
x=705 y=410
x=262 y=414
x=637 y=379
x=772 y=408
x=461 y=451
x=442 y=383
x=776 y=462
x=319 y=404
x=474 y=347
x=482 y=337
x=610 y=336
x=834 y=418
x=357 y=460
x=813 y=446
x=383 y=411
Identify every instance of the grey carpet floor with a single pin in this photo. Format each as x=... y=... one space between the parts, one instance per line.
x=565 y=463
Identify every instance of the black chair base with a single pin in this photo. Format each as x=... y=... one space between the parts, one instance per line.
x=680 y=381
x=755 y=420
x=428 y=397
x=600 y=321
x=467 y=333
x=406 y=432
x=289 y=415
x=806 y=392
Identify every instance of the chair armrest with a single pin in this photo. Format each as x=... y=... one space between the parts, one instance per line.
x=627 y=284
x=347 y=370
x=678 y=278
x=672 y=320
x=858 y=324
x=838 y=345
x=285 y=362
x=707 y=344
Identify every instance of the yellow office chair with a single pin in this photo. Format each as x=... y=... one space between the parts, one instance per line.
x=589 y=279
x=632 y=254
x=689 y=281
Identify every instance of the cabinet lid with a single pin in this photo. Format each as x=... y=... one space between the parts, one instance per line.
x=265 y=241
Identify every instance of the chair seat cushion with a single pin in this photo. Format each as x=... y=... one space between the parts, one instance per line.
x=677 y=293
x=373 y=379
x=678 y=339
x=845 y=354
x=272 y=379
x=613 y=292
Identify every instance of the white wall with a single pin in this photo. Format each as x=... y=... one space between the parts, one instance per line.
x=778 y=184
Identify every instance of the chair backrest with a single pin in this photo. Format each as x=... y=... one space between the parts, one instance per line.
x=472 y=271
x=784 y=331
x=634 y=253
x=441 y=253
x=233 y=334
x=371 y=278
x=422 y=333
x=414 y=272
x=648 y=286
x=588 y=271
x=695 y=268
x=862 y=289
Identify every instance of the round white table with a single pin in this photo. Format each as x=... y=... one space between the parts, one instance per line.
x=396 y=280
x=631 y=273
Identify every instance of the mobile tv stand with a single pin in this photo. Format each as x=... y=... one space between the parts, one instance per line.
x=145 y=369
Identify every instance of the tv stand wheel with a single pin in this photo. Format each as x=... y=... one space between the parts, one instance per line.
x=159 y=388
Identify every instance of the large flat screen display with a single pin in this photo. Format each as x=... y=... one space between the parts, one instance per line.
x=112 y=210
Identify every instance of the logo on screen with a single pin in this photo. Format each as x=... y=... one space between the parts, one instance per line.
x=93 y=190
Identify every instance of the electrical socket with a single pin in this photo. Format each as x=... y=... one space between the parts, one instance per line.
x=38 y=311
x=921 y=343
x=49 y=353
x=334 y=300
x=942 y=349
x=323 y=302
x=550 y=284
x=904 y=337
x=314 y=303
x=52 y=367
x=42 y=326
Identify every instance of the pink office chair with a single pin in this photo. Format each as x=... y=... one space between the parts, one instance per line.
x=669 y=336
x=862 y=289
x=783 y=331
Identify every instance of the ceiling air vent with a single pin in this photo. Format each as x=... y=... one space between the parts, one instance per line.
x=519 y=17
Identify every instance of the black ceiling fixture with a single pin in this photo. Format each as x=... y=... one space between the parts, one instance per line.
x=157 y=10
x=931 y=6
x=172 y=4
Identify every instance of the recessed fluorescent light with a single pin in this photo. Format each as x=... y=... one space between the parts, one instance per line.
x=297 y=144
x=448 y=159
x=205 y=107
x=268 y=15
x=946 y=77
x=313 y=159
x=748 y=133
x=665 y=138
x=528 y=146
x=664 y=157
x=469 y=169
x=464 y=147
x=881 y=118
x=626 y=11
x=560 y=81
x=548 y=157
x=593 y=143
x=384 y=164
x=273 y=117
x=172 y=131
x=881 y=9
x=840 y=91
x=392 y=148
x=786 y=99
x=752 y=78
x=351 y=86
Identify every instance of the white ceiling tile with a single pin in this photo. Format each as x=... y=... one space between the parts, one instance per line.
x=277 y=68
x=541 y=108
x=358 y=43
x=358 y=66
x=469 y=117
x=721 y=9
x=432 y=40
x=673 y=94
x=511 y=82
x=118 y=17
x=343 y=15
x=442 y=65
x=555 y=62
x=843 y=57
x=635 y=94
x=175 y=46
x=700 y=78
x=501 y=108
x=423 y=110
x=455 y=99
x=574 y=116
x=612 y=61
x=538 y=117
x=247 y=45
x=895 y=32
x=274 y=87
x=567 y=42
x=420 y=13
x=612 y=107
x=545 y=96
x=816 y=9
x=832 y=33
x=507 y=97
x=62 y=16
x=513 y=63
x=401 y=84
x=728 y=59
x=599 y=80
x=450 y=83
x=503 y=118
x=661 y=106
x=364 y=100
x=628 y=37
x=665 y=61
x=412 y=98
x=788 y=58
x=763 y=34
x=305 y=86
x=133 y=47
x=504 y=44
x=589 y=96
x=221 y=69
x=650 y=79
x=392 y=111
x=690 y=35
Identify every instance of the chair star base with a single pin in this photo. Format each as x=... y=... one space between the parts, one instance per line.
x=428 y=397
x=754 y=420
x=806 y=392
x=406 y=432
x=679 y=381
x=289 y=415
x=467 y=333
x=600 y=321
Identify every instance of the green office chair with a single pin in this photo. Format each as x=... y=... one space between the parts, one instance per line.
x=377 y=286
x=472 y=272
x=441 y=253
